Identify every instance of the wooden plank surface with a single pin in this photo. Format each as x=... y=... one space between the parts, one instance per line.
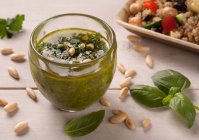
x=165 y=57
x=46 y=122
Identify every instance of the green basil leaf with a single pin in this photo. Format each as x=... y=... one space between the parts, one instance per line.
x=183 y=106
x=85 y=124
x=166 y=79
x=147 y=95
x=174 y=90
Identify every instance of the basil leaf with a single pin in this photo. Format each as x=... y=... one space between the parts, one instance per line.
x=166 y=79
x=183 y=106
x=147 y=95
x=85 y=124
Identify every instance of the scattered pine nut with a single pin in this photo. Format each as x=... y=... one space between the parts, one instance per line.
x=146 y=123
x=141 y=48
x=31 y=94
x=123 y=93
x=130 y=123
x=6 y=51
x=118 y=111
x=119 y=118
x=133 y=38
x=3 y=102
x=121 y=68
x=10 y=107
x=20 y=127
x=18 y=57
x=13 y=73
x=103 y=101
x=149 y=61
x=130 y=73
x=126 y=83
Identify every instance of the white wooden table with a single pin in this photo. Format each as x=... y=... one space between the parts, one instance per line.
x=46 y=122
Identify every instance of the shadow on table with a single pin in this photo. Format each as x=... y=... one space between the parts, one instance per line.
x=177 y=121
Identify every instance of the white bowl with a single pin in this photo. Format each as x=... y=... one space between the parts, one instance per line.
x=122 y=19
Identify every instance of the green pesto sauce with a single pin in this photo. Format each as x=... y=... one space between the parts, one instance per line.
x=73 y=46
x=73 y=92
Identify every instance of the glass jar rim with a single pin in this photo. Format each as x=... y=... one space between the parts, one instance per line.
x=103 y=23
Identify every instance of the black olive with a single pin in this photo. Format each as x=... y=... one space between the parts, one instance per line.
x=180 y=7
x=159 y=30
x=148 y=17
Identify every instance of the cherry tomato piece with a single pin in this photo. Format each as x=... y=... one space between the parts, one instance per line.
x=150 y=5
x=168 y=24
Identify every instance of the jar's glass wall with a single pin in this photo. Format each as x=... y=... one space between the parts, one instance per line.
x=73 y=87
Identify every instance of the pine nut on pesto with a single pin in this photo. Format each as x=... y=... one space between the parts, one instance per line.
x=73 y=63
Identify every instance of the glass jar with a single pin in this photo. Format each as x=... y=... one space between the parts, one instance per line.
x=73 y=87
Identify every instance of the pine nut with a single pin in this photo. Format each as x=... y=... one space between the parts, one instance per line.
x=118 y=118
x=6 y=51
x=31 y=94
x=82 y=46
x=103 y=101
x=121 y=68
x=10 y=107
x=86 y=60
x=90 y=46
x=130 y=123
x=3 y=102
x=71 y=51
x=130 y=73
x=149 y=61
x=123 y=93
x=18 y=57
x=20 y=127
x=133 y=38
x=13 y=73
x=146 y=123
x=141 y=48
x=118 y=111
x=126 y=83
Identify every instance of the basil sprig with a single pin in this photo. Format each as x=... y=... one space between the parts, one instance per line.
x=169 y=92
x=85 y=124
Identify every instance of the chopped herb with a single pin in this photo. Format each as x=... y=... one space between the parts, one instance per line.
x=10 y=26
x=89 y=45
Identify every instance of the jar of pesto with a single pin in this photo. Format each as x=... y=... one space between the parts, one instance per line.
x=72 y=59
